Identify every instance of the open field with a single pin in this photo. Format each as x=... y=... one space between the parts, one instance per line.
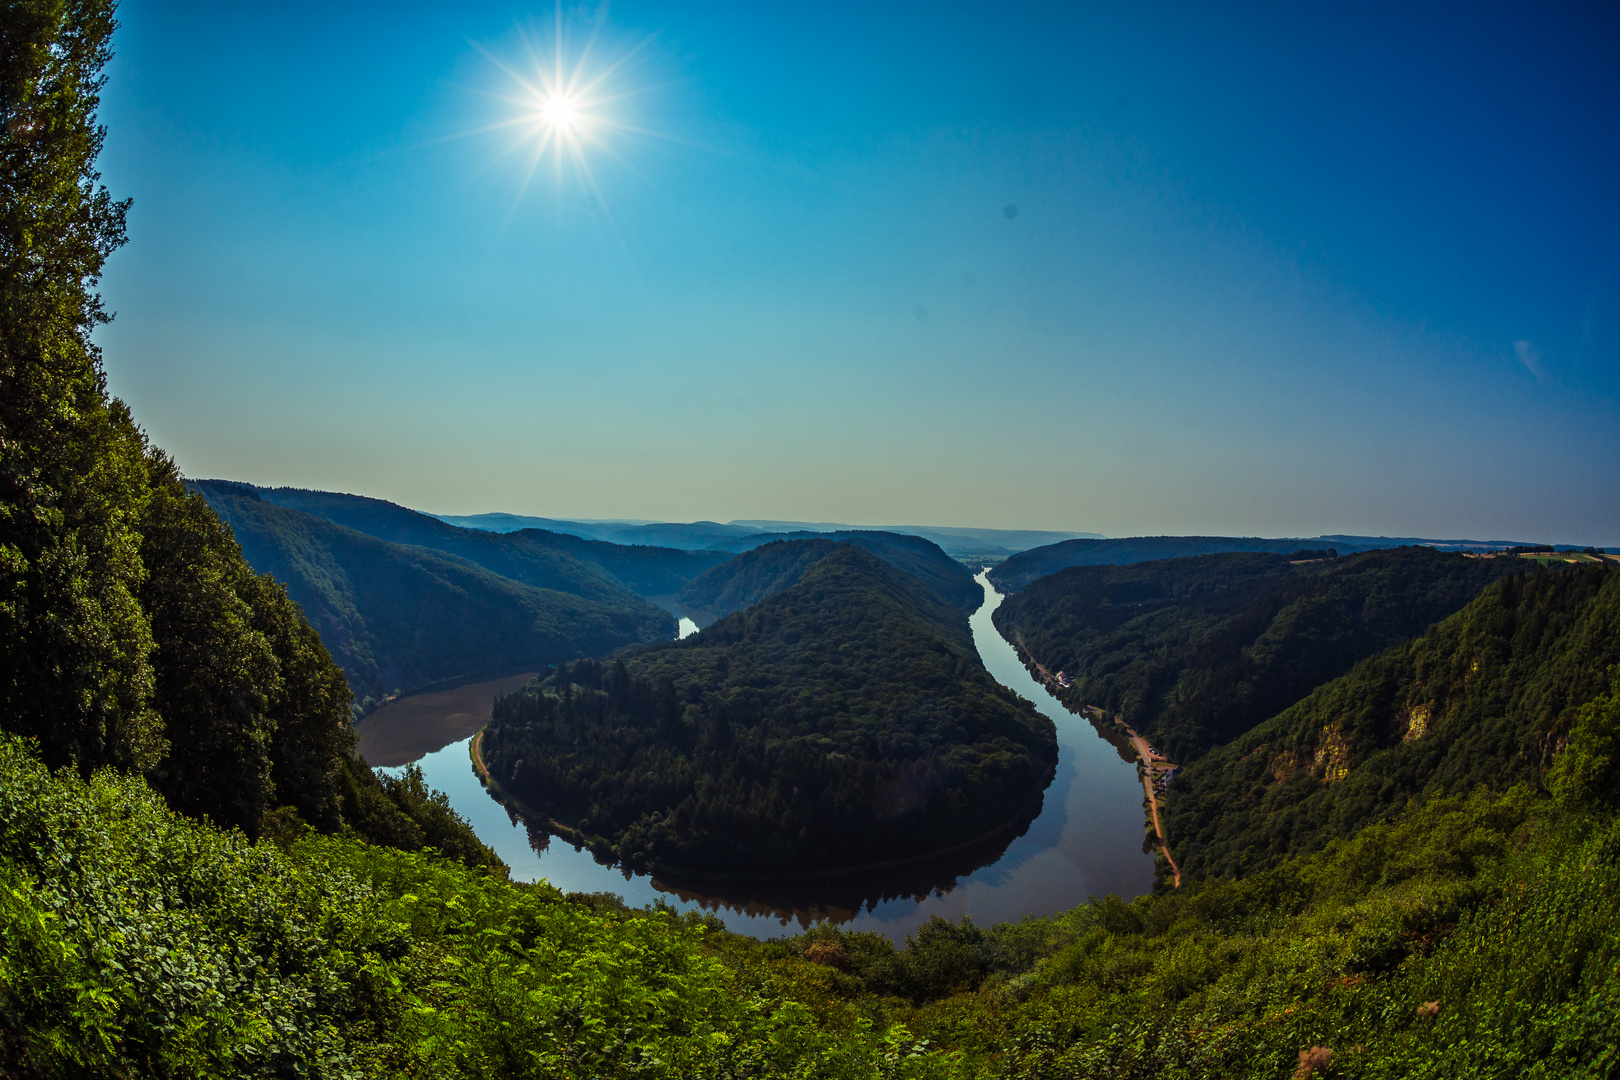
x=404 y=730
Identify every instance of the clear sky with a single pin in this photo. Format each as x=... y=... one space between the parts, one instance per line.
x=1215 y=268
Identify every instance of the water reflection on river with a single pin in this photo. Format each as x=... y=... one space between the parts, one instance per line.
x=1086 y=841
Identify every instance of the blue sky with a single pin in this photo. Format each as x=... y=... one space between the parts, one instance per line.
x=1274 y=269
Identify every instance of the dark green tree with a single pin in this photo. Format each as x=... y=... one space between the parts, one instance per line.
x=132 y=632
x=74 y=643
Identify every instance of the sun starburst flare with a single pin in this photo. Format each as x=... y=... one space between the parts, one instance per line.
x=564 y=106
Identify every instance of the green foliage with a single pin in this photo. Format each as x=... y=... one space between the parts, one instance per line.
x=215 y=669
x=134 y=942
x=1484 y=698
x=593 y=569
x=749 y=578
x=777 y=564
x=132 y=634
x=400 y=618
x=842 y=721
x=1587 y=772
x=1469 y=936
x=74 y=643
x=403 y=812
x=1193 y=652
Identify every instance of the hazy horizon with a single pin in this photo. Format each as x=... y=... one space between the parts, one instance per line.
x=1264 y=270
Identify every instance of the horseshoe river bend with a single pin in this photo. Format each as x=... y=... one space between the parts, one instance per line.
x=1086 y=841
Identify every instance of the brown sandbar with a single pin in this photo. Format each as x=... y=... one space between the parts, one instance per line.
x=404 y=730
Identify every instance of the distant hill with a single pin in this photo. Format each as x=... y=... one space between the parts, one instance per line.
x=548 y=560
x=518 y=522
x=1410 y=541
x=957 y=542
x=399 y=618
x=688 y=536
x=771 y=564
x=749 y=578
x=1024 y=567
x=842 y=721
x=1486 y=698
x=1194 y=651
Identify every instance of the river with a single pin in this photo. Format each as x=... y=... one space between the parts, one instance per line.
x=1086 y=841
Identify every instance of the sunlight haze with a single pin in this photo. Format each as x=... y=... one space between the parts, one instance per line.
x=1278 y=270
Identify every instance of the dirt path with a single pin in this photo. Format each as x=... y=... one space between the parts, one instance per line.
x=1152 y=763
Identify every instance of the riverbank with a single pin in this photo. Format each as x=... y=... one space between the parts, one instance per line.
x=698 y=877
x=411 y=727
x=1086 y=841
x=517 y=806
x=1154 y=769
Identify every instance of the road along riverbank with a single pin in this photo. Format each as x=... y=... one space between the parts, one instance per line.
x=1154 y=769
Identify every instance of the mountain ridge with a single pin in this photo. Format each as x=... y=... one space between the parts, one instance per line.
x=400 y=618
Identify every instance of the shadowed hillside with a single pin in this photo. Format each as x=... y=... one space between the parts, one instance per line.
x=770 y=564
x=1486 y=698
x=1194 y=651
x=547 y=560
x=1027 y=566
x=400 y=618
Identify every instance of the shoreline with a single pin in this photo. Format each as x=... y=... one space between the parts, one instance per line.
x=695 y=877
x=1145 y=758
x=418 y=724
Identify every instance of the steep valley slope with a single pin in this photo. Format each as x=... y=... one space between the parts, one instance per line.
x=399 y=618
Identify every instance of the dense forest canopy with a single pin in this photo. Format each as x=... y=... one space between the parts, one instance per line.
x=546 y=560
x=844 y=720
x=918 y=556
x=773 y=564
x=749 y=578
x=399 y=618
x=1194 y=651
x=1019 y=570
x=1484 y=699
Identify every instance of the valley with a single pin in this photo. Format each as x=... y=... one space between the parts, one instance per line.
x=1087 y=840
x=308 y=783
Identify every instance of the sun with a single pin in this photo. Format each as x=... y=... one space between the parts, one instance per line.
x=559 y=111
x=564 y=104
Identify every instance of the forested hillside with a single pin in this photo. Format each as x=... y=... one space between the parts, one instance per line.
x=752 y=576
x=400 y=618
x=546 y=560
x=1484 y=699
x=133 y=635
x=1194 y=651
x=844 y=720
x=774 y=564
x=198 y=880
x=1021 y=569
